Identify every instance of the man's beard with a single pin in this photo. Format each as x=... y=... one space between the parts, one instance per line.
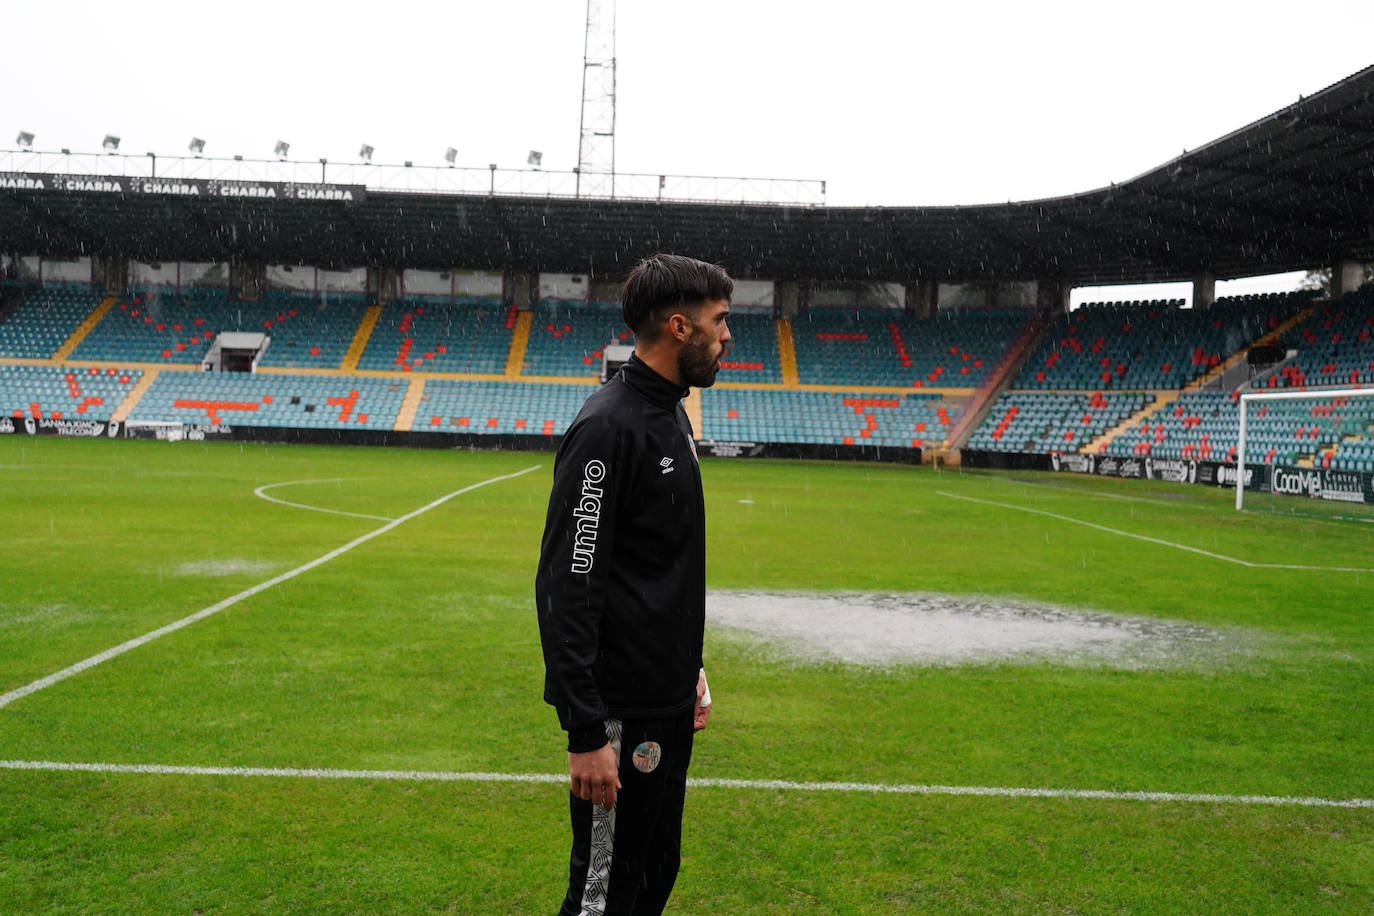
x=695 y=364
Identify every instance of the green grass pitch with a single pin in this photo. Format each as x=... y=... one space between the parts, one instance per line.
x=417 y=651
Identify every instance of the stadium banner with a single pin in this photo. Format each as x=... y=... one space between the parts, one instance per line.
x=33 y=181
x=1173 y=470
x=1224 y=475
x=810 y=451
x=1072 y=462
x=183 y=187
x=1126 y=468
x=368 y=437
x=177 y=432
x=1314 y=483
x=1007 y=461
x=1345 y=486
x=48 y=426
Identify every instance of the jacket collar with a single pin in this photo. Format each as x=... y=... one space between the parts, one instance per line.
x=651 y=386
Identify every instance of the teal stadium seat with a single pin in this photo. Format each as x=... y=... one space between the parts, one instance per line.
x=492 y=407
x=568 y=337
x=1150 y=345
x=1335 y=345
x=58 y=393
x=437 y=334
x=891 y=348
x=303 y=401
x=43 y=320
x=1049 y=422
x=823 y=418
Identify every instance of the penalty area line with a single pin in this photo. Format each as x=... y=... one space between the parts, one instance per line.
x=776 y=785
x=1159 y=541
x=58 y=676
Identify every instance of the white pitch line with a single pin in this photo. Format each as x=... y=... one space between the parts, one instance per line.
x=784 y=785
x=1160 y=541
x=291 y=483
x=34 y=687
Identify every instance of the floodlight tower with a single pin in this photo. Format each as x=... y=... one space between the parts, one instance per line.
x=596 y=148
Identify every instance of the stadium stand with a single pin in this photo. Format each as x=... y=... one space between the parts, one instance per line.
x=1335 y=345
x=305 y=332
x=1104 y=362
x=303 y=401
x=752 y=354
x=157 y=326
x=1045 y=422
x=891 y=348
x=1150 y=345
x=822 y=417
x=43 y=320
x=466 y=335
x=489 y=407
x=57 y=393
x=567 y=337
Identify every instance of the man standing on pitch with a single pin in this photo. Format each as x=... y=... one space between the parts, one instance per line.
x=621 y=592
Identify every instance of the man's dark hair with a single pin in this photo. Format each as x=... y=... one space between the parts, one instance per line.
x=669 y=281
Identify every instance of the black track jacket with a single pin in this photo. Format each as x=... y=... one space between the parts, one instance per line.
x=621 y=585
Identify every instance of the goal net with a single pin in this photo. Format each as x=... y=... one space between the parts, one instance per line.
x=1307 y=452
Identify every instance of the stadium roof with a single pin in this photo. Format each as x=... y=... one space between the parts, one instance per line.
x=1293 y=190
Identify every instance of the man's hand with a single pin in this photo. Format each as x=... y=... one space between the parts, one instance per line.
x=703 y=712
x=595 y=776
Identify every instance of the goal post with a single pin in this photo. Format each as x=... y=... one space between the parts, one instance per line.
x=1312 y=423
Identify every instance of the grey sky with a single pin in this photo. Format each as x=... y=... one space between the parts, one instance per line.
x=916 y=103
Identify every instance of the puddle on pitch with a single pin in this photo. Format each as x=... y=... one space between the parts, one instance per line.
x=232 y=566
x=923 y=629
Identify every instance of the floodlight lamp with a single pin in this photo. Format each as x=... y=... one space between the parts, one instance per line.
x=535 y=158
x=197 y=146
x=24 y=140
x=365 y=153
x=281 y=149
x=111 y=143
x=451 y=156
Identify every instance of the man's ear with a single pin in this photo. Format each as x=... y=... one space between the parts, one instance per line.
x=680 y=326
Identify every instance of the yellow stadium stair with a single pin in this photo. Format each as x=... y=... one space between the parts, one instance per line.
x=1272 y=337
x=410 y=405
x=515 y=358
x=84 y=328
x=360 y=338
x=135 y=395
x=787 y=354
x=692 y=404
x=1162 y=399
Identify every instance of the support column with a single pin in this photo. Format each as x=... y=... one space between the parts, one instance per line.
x=604 y=290
x=921 y=298
x=786 y=299
x=518 y=287
x=1346 y=277
x=388 y=285
x=112 y=272
x=1204 y=290
x=1053 y=296
x=249 y=278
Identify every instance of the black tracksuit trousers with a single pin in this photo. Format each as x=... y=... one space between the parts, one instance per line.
x=624 y=862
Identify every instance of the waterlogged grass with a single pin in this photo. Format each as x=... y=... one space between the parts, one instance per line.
x=417 y=650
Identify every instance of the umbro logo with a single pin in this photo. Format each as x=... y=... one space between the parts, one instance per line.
x=667 y=465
